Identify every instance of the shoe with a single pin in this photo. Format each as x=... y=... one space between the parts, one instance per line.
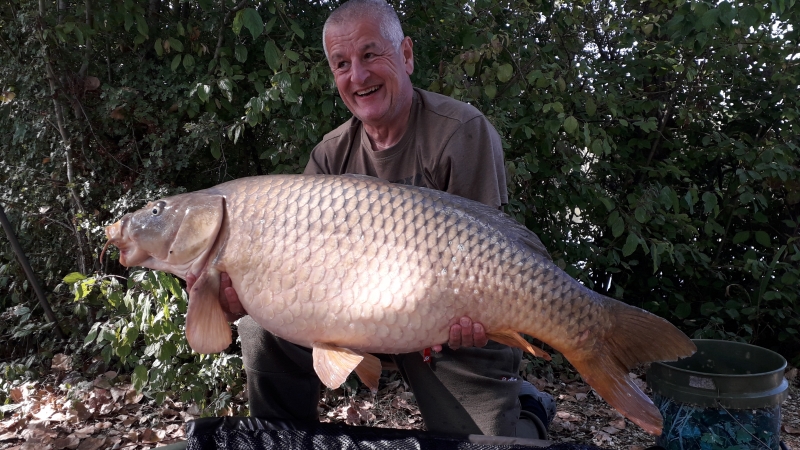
x=536 y=414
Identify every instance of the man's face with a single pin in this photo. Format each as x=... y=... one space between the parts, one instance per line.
x=371 y=76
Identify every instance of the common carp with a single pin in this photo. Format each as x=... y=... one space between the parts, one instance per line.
x=353 y=265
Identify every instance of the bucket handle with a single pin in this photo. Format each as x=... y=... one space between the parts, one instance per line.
x=741 y=425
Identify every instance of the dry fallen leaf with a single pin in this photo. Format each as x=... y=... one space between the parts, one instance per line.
x=62 y=362
x=790 y=429
x=8 y=436
x=618 y=424
x=16 y=395
x=71 y=442
x=150 y=436
x=91 y=443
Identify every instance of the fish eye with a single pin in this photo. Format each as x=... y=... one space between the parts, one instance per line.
x=156 y=210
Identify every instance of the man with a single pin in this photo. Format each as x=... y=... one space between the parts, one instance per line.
x=404 y=135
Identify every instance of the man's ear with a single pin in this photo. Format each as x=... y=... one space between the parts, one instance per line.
x=407 y=49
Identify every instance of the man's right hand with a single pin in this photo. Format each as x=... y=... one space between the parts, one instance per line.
x=228 y=298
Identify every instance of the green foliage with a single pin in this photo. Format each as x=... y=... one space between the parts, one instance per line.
x=140 y=329
x=652 y=145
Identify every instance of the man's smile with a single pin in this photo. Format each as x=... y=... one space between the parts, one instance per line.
x=367 y=91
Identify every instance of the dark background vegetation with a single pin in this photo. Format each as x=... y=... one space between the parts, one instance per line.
x=653 y=145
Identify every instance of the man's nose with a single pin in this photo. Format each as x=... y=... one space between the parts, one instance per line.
x=359 y=73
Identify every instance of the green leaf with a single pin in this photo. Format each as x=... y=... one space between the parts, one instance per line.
x=297 y=30
x=630 y=245
x=128 y=21
x=490 y=90
x=591 y=107
x=571 y=125
x=749 y=16
x=327 y=108
x=683 y=310
x=270 y=24
x=215 y=150
x=175 y=44
x=710 y=201
x=741 y=236
x=238 y=22
x=709 y=308
x=92 y=334
x=139 y=377
x=641 y=215
x=252 y=21
x=469 y=69
x=159 y=47
x=141 y=26
x=203 y=92
x=763 y=238
x=188 y=62
x=505 y=72
x=74 y=277
x=617 y=224
x=176 y=61
x=271 y=55
x=292 y=55
x=608 y=203
x=240 y=53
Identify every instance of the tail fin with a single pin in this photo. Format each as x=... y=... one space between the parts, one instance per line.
x=636 y=337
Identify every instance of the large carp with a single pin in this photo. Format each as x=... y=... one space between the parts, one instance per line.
x=352 y=265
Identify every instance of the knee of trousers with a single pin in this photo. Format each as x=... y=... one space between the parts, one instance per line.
x=264 y=352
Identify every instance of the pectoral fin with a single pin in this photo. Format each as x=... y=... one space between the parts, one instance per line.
x=333 y=364
x=512 y=338
x=207 y=330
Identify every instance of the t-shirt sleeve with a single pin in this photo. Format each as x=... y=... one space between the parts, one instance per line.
x=471 y=164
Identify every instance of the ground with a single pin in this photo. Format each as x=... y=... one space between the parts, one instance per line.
x=107 y=413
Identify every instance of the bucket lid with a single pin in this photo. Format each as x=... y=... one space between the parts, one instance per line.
x=731 y=374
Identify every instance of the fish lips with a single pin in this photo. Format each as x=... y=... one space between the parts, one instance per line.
x=129 y=253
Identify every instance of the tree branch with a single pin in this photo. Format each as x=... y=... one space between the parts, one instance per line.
x=220 y=37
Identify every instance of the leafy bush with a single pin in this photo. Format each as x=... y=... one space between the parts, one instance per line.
x=140 y=328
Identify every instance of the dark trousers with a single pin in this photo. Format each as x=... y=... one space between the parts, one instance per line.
x=464 y=391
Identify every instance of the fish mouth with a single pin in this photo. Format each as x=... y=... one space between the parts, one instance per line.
x=115 y=238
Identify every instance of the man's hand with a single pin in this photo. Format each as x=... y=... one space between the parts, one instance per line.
x=228 y=298
x=465 y=334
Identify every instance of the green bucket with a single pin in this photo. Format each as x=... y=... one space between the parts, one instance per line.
x=725 y=396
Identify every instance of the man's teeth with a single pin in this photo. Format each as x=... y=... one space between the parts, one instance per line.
x=368 y=91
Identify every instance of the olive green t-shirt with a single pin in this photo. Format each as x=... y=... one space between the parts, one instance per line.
x=449 y=146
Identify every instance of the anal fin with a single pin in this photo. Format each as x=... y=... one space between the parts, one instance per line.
x=207 y=330
x=333 y=364
x=369 y=371
x=512 y=338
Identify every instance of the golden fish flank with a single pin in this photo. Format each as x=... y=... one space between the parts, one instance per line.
x=352 y=265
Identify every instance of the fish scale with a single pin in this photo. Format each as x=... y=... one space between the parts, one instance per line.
x=353 y=265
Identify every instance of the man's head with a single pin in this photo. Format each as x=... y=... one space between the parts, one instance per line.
x=371 y=61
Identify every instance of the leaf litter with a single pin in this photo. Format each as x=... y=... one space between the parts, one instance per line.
x=107 y=413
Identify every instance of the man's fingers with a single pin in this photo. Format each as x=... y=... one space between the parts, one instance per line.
x=190 y=281
x=455 y=336
x=479 y=335
x=227 y=292
x=466 y=332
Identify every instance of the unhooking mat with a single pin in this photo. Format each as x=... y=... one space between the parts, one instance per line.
x=245 y=433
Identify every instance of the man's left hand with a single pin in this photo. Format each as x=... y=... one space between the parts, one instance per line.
x=465 y=334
